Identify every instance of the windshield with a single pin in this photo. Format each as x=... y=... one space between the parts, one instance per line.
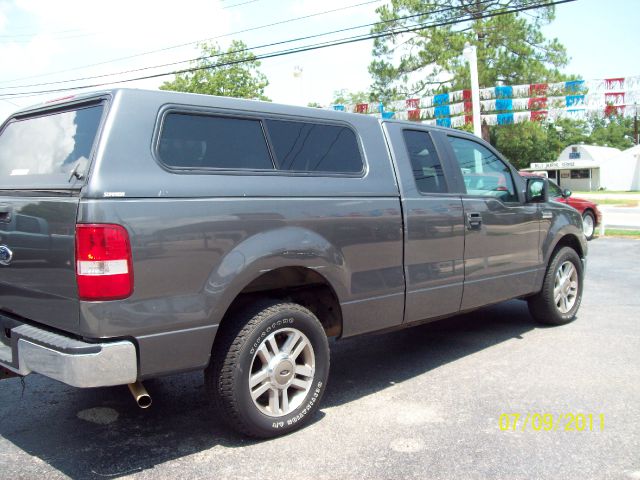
x=50 y=147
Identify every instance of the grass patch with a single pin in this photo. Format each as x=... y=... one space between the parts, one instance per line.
x=616 y=201
x=606 y=192
x=615 y=232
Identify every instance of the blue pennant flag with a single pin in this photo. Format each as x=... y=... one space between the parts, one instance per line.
x=574 y=86
x=441 y=99
x=340 y=108
x=505 y=118
x=504 y=104
x=385 y=115
x=444 y=122
x=504 y=92
x=441 y=111
x=572 y=100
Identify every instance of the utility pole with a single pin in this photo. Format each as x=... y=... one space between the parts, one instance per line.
x=471 y=55
x=635 y=125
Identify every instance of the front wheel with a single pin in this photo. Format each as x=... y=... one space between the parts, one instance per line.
x=588 y=224
x=269 y=369
x=559 y=300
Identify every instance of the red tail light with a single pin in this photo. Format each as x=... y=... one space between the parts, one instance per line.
x=104 y=267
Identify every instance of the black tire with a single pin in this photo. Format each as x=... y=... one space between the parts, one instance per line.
x=542 y=306
x=586 y=217
x=236 y=352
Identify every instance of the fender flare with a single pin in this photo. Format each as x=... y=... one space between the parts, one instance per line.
x=266 y=251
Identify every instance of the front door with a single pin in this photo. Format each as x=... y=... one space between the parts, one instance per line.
x=433 y=224
x=501 y=254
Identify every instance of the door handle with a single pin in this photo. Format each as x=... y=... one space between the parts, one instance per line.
x=474 y=220
x=5 y=213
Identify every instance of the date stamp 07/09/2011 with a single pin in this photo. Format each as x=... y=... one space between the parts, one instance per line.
x=551 y=422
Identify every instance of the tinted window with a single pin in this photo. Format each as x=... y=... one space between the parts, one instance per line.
x=49 y=144
x=425 y=163
x=482 y=171
x=199 y=141
x=583 y=173
x=312 y=147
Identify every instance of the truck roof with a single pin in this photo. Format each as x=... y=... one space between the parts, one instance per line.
x=195 y=99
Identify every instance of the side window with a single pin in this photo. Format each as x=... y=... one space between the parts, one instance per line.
x=201 y=142
x=425 y=163
x=554 y=190
x=483 y=172
x=313 y=147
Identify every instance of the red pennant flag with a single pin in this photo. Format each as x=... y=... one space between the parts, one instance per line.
x=412 y=103
x=614 y=83
x=538 y=115
x=538 y=89
x=612 y=110
x=414 y=114
x=537 y=103
x=614 y=98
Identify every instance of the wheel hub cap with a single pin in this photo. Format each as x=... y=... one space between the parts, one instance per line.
x=565 y=289
x=588 y=226
x=282 y=371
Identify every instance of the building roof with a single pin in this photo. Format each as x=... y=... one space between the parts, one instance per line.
x=594 y=153
x=635 y=150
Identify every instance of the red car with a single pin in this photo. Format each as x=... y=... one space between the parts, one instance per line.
x=591 y=216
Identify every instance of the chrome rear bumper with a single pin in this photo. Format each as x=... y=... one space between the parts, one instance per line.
x=28 y=349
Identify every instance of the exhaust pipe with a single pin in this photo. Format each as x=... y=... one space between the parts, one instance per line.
x=140 y=394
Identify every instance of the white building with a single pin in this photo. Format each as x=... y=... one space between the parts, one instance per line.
x=623 y=172
x=589 y=167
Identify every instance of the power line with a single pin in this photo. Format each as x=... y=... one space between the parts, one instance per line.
x=173 y=47
x=306 y=48
x=330 y=43
x=8 y=38
x=258 y=47
x=18 y=35
x=239 y=4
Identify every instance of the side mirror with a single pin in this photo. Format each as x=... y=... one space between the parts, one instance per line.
x=537 y=190
x=566 y=193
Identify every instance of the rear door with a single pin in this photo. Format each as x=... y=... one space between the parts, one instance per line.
x=501 y=253
x=44 y=160
x=433 y=223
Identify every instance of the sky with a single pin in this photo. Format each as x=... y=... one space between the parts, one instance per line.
x=43 y=41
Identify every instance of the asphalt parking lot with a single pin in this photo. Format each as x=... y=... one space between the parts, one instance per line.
x=418 y=403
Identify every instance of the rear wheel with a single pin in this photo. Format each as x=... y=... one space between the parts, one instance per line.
x=269 y=369
x=588 y=224
x=559 y=300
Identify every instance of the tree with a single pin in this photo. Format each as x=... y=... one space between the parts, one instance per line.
x=616 y=131
x=529 y=142
x=511 y=47
x=233 y=73
x=346 y=97
x=522 y=143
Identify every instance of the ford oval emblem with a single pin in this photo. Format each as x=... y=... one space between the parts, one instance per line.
x=5 y=255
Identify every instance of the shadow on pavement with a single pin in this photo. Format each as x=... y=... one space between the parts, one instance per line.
x=45 y=421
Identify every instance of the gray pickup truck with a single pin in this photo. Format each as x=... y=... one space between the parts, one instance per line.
x=145 y=233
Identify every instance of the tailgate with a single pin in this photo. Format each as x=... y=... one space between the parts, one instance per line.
x=37 y=275
x=44 y=160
